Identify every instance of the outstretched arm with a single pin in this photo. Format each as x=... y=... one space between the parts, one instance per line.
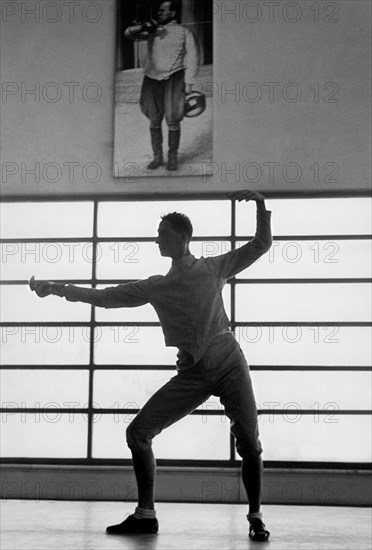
x=126 y=295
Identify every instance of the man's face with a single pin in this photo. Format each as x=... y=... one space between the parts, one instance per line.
x=165 y=14
x=169 y=241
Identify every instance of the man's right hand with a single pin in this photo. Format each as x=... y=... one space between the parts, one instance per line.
x=42 y=288
x=149 y=26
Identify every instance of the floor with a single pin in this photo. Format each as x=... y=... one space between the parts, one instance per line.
x=65 y=525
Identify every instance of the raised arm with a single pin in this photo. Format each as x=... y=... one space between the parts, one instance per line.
x=126 y=295
x=232 y=263
x=247 y=195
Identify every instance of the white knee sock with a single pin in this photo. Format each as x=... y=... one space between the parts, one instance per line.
x=143 y=513
x=253 y=515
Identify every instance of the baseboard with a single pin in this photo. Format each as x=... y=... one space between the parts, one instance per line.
x=185 y=484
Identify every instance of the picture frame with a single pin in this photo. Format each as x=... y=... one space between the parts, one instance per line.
x=163 y=105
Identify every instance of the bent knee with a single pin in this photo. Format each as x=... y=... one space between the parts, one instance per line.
x=137 y=440
x=249 y=448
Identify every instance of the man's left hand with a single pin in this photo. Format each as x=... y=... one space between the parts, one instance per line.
x=247 y=195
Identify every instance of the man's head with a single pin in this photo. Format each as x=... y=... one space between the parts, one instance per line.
x=167 y=12
x=174 y=235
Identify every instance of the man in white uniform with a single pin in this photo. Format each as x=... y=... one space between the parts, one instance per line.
x=171 y=67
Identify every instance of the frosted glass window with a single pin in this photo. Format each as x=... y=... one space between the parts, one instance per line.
x=109 y=436
x=315 y=437
x=297 y=345
x=193 y=437
x=130 y=260
x=333 y=216
x=130 y=389
x=139 y=260
x=46 y=219
x=46 y=260
x=141 y=219
x=19 y=304
x=43 y=389
x=313 y=390
x=45 y=434
x=209 y=249
x=132 y=345
x=332 y=438
x=245 y=218
x=43 y=345
x=303 y=302
x=312 y=259
x=144 y=313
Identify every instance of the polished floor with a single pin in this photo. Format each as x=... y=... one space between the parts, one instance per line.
x=76 y=525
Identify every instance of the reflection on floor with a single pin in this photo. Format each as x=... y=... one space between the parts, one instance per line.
x=72 y=525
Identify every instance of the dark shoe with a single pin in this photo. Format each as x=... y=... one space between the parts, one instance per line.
x=157 y=147
x=174 y=143
x=134 y=526
x=172 y=163
x=257 y=530
x=156 y=163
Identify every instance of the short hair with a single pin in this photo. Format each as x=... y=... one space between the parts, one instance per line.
x=180 y=223
x=174 y=5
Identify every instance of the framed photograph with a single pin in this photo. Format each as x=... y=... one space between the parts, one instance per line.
x=163 y=111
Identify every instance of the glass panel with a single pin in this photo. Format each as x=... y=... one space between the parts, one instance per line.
x=333 y=438
x=303 y=302
x=139 y=260
x=44 y=389
x=208 y=249
x=193 y=437
x=44 y=345
x=109 y=436
x=324 y=345
x=141 y=219
x=44 y=434
x=131 y=389
x=19 y=304
x=246 y=217
x=130 y=260
x=333 y=216
x=127 y=389
x=143 y=313
x=46 y=219
x=313 y=390
x=312 y=259
x=46 y=260
x=123 y=345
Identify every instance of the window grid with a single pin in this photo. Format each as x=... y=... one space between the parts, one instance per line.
x=92 y=324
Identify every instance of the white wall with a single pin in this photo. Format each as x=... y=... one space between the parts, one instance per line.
x=256 y=44
x=73 y=129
